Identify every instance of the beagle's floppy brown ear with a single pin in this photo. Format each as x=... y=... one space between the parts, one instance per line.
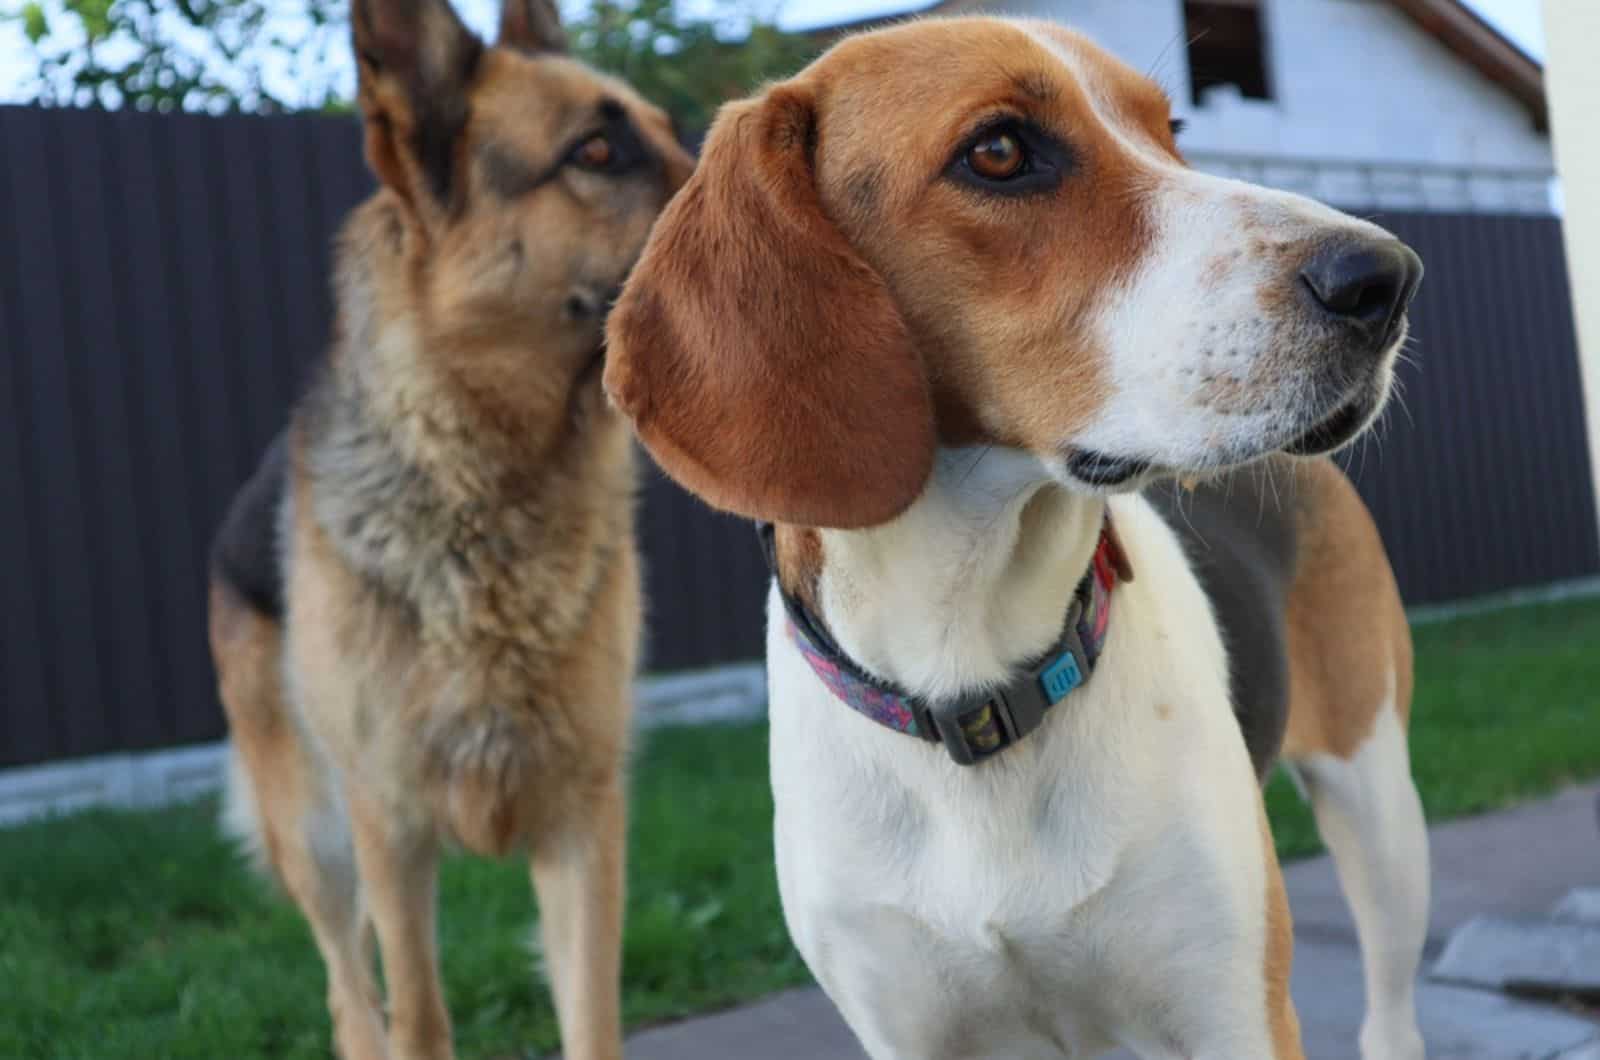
x=762 y=361
x=415 y=62
x=532 y=26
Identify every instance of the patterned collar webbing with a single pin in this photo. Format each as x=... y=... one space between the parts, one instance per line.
x=975 y=727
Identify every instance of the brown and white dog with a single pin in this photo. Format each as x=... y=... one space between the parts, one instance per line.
x=425 y=605
x=939 y=307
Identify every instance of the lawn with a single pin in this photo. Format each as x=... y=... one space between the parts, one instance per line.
x=1507 y=706
x=141 y=935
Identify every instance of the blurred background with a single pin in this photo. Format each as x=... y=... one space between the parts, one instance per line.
x=174 y=170
x=171 y=173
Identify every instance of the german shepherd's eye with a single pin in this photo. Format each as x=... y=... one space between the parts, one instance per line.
x=596 y=153
x=611 y=146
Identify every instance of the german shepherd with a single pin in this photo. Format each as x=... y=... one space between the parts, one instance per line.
x=425 y=606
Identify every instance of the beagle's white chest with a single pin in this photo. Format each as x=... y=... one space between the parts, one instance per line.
x=1054 y=901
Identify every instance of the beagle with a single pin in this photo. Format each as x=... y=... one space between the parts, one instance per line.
x=951 y=313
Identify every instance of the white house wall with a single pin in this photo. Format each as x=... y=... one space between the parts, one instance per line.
x=1369 y=110
x=1572 y=27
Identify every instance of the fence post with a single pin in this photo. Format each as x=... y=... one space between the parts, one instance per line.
x=1572 y=80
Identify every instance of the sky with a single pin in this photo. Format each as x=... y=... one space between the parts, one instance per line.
x=1517 y=19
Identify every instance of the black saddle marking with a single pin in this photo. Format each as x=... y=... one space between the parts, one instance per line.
x=246 y=553
x=1240 y=538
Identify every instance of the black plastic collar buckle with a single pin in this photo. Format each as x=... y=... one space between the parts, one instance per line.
x=1018 y=708
x=943 y=725
x=1016 y=711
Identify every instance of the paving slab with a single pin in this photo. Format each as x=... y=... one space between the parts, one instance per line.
x=1465 y=1024
x=1518 y=863
x=786 y=1026
x=1547 y=955
x=1581 y=904
x=1457 y=1023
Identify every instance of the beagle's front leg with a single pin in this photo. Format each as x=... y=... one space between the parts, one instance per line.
x=1282 y=1023
x=1238 y=1006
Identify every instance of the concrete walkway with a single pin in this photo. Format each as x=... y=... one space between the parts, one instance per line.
x=1517 y=863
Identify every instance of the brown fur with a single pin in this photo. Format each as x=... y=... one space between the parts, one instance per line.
x=1348 y=636
x=816 y=348
x=800 y=563
x=462 y=581
x=1278 y=956
x=881 y=311
x=294 y=788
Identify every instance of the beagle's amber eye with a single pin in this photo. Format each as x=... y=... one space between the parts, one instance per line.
x=594 y=153
x=998 y=156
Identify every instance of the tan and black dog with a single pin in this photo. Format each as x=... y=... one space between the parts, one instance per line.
x=425 y=606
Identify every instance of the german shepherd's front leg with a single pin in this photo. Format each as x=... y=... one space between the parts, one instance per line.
x=578 y=873
x=399 y=875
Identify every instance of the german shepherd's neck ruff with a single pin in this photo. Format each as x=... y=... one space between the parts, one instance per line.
x=426 y=604
x=491 y=521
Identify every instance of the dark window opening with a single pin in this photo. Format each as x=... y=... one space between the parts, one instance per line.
x=1227 y=46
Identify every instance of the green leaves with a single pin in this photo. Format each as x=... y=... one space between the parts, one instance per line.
x=271 y=55
x=35 y=25
x=689 y=65
x=186 y=54
x=95 y=16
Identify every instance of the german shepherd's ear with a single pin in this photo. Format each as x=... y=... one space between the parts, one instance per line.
x=532 y=26
x=415 y=62
x=762 y=360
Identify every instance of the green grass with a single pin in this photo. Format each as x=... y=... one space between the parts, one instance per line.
x=1507 y=706
x=141 y=935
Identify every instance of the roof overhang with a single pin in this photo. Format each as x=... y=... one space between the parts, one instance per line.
x=1460 y=29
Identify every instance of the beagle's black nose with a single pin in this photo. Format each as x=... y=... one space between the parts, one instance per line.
x=1367 y=285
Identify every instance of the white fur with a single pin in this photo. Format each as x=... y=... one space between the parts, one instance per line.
x=1191 y=324
x=240 y=817
x=1369 y=815
x=1100 y=883
x=1219 y=334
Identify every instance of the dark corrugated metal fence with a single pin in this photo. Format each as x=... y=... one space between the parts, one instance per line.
x=1480 y=480
x=163 y=287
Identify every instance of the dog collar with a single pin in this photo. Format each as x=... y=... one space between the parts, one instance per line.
x=976 y=727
